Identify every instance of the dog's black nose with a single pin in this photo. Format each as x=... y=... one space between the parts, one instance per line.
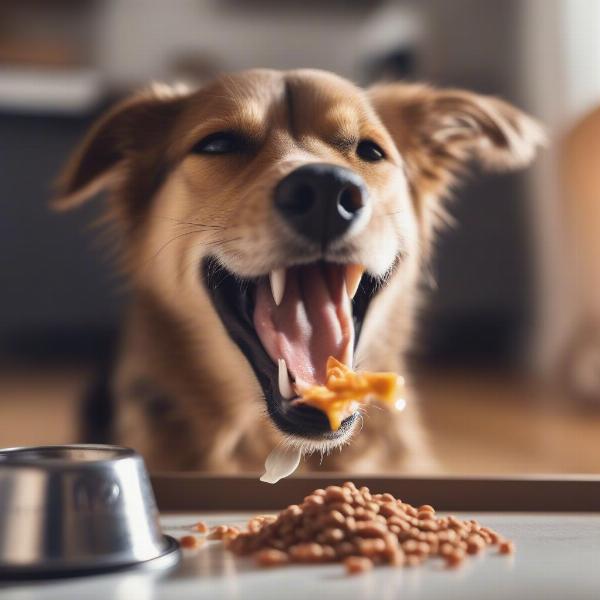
x=321 y=201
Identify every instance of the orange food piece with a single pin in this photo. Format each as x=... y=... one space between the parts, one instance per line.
x=190 y=541
x=201 y=527
x=345 y=390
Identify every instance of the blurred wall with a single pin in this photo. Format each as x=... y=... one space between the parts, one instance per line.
x=560 y=41
x=238 y=35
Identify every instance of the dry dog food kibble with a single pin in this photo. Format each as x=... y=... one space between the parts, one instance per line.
x=506 y=547
x=222 y=532
x=201 y=527
x=358 y=564
x=270 y=557
x=190 y=541
x=351 y=525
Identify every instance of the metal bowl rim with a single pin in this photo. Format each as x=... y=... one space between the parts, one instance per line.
x=166 y=559
x=119 y=453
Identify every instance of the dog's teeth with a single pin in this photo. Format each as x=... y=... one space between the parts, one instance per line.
x=285 y=387
x=277 y=280
x=353 y=275
x=348 y=355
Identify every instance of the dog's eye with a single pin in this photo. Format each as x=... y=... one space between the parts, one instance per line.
x=369 y=151
x=223 y=142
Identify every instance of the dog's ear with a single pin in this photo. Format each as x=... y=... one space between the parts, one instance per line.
x=108 y=150
x=440 y=131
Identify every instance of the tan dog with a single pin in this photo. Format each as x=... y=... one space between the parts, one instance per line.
x=248 y=211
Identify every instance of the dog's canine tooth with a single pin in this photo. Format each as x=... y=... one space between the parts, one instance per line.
x=277 y=281
x=348 y=356
x=285 y=387
x=353 y=276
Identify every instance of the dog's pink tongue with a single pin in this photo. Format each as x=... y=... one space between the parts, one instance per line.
x=313 y=321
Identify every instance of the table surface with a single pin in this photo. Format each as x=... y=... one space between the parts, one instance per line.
x=558 y=556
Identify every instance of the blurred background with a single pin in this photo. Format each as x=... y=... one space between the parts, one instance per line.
x=508 y=360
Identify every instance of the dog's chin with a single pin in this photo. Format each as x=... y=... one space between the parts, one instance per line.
x=322 y=445
x=234 y=300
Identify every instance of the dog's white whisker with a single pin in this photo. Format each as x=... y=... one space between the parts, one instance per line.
x=285 y=387
x=277 y=281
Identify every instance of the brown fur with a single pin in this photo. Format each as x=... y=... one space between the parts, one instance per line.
x=187 y=397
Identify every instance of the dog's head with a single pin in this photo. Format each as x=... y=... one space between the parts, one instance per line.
x=284 y=202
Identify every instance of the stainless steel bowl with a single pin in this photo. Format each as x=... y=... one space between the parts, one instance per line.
x=67 y=510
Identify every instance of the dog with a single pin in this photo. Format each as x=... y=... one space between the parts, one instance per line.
x=266 y=221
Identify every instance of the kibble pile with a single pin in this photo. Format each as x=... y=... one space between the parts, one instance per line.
x=361 y=529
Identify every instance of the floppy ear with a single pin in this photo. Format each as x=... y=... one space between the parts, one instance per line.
x=131 y=128
x=440 y=131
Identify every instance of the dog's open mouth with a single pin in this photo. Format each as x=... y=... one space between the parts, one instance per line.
x=287 y=324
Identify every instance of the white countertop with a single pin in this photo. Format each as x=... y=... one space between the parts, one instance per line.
x=558 y=556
